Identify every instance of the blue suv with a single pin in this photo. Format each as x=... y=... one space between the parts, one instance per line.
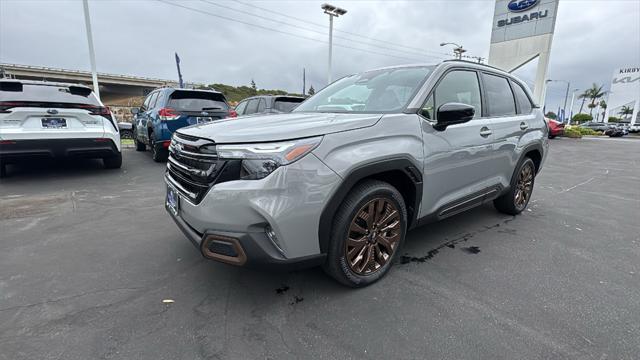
x=167 y=109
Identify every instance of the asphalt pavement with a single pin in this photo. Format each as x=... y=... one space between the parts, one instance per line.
x=91 y=267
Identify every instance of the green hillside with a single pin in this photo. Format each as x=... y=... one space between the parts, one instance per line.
x=238 y=93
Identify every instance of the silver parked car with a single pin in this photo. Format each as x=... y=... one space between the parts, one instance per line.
x=339 y=181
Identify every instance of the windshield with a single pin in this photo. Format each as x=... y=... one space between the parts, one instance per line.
x=379 y=91
x=286 y=104
x=197 y=101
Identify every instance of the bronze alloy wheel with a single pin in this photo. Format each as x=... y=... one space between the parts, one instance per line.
x=524 y=186
x=374 y=235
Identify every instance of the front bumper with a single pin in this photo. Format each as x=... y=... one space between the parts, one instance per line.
x=238 y=213
x=13 y=150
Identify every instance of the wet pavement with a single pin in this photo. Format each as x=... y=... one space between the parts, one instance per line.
x=91 y=267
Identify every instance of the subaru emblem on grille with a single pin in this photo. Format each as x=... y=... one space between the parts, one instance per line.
x=52 y=111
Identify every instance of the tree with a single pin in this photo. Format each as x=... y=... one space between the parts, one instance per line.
x=254 y=87
x=595 y=93
x=603 y=106
x=584 y=97
x=311 y=90
x=624 y=111
x=613 y=119
x=591 y=106
x=551 y=115
x=581 y=118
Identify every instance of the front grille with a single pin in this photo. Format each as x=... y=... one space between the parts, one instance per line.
x=193 y=172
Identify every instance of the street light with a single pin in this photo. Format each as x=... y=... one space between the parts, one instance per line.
x=332 y=11
x=566 y=95
x=458 y=50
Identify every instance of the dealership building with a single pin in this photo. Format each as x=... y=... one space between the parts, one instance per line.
x=624 y=96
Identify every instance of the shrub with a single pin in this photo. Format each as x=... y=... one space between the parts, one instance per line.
x=614 y=119
x=580 y=118
x=573 y=132
x=587 y=131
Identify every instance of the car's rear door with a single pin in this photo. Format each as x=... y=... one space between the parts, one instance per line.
x=193 y=107
x=510 y=121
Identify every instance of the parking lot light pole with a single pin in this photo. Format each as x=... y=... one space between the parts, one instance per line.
x=92 y=54
x=332 y=11
x=566 y=95
x=458 y=50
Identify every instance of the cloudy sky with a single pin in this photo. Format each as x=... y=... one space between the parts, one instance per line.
x=271 y=41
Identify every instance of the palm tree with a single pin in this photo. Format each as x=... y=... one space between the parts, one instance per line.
x=584 y=97
x=603 y=106
x=625 y=110
x=595 y=93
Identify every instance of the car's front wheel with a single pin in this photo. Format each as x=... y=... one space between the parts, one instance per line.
x=516 y=200
x=158 y=153
x=139 y=145
x=368 y=231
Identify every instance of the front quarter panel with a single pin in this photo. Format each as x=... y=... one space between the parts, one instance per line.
x=394 y=136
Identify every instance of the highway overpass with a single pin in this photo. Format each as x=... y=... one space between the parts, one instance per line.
x=122 y=90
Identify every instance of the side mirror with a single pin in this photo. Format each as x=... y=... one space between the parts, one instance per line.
x=453 y=113
x=135 y=110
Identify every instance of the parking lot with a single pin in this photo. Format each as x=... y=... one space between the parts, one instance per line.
x=88 y=255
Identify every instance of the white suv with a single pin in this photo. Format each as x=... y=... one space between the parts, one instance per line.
x=44 y=119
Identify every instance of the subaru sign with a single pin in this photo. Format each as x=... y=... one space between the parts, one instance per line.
x=518 y=19
x=521 y=5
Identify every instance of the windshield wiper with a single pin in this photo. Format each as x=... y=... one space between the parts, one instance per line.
x=212 y=108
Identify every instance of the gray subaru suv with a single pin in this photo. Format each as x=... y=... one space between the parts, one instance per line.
x=339 y=181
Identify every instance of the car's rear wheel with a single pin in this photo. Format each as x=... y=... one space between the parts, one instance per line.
x=368 y=231
x=158 y=153
x=516 y=200
x=114 y=162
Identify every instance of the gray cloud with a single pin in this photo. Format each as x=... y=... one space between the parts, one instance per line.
x=139 y=38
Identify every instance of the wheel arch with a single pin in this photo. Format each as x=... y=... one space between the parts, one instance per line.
x=401 y=173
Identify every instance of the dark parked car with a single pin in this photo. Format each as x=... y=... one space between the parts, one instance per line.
x=167 y=109
x=268 y=104
x=614 y=131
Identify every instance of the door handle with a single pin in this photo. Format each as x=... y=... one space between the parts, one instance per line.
x=523 y=126
x=485 y=131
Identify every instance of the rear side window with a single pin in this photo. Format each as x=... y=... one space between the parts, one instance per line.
x=152 y=100
x=284 y=104
x=252 y=106
x=524 y=104
x=49 y=94
x=262 y=105
x=499 y=96
x=184 y=100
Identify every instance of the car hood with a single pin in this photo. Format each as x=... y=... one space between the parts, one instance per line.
x=279 y=127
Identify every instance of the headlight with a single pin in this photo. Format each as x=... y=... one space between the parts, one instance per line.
x=260 y=160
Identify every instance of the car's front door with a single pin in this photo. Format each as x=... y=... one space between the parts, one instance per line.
x=139 y=120
x=457 y=165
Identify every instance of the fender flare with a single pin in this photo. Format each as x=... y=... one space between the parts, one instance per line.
x=404 y=164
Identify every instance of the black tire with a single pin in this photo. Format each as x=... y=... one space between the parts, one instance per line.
x=139 y=146
x=158 y=153
x=368 y=192
x=114 y=162
x=508 y=203
x=552 y=136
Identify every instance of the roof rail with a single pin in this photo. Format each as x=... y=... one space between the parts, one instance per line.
x=475 y=63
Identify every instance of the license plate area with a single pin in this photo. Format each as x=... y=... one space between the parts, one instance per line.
x=203 y=119
x=172 y=201
x=54 y=123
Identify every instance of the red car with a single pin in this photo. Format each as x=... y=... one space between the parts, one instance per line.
x=556 y=128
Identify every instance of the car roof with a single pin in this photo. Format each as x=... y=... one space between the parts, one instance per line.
x=43 y=83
